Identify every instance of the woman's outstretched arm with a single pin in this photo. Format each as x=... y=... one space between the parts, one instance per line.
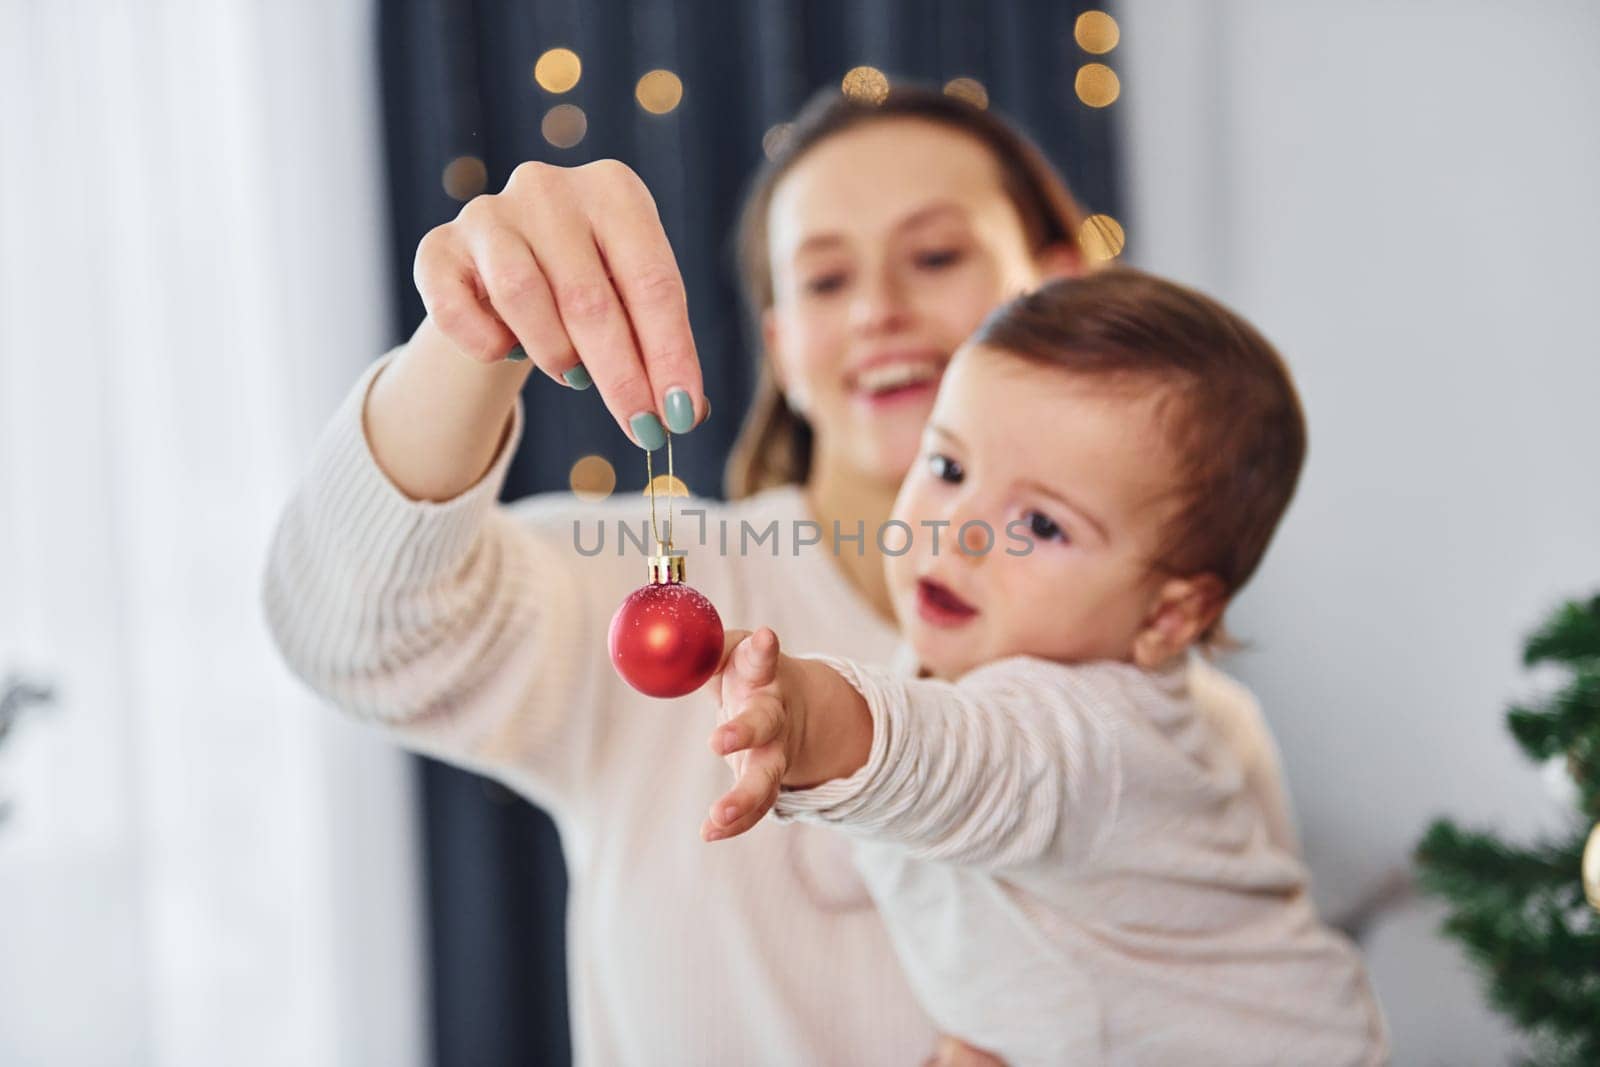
x=396 y=585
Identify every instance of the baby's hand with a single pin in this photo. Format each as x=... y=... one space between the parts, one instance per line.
x=954 y=1052
x=761 y=723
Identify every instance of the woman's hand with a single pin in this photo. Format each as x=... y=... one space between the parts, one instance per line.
x=570 y=267
x=762 y=720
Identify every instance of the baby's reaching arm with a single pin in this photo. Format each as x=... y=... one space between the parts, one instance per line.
x=1009 y=766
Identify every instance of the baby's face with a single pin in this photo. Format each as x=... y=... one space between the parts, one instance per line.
x=1069 y=470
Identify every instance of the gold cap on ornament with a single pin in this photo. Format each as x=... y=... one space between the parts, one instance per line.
x=667 y=568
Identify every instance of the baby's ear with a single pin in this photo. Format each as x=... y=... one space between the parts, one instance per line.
x=1183 y=609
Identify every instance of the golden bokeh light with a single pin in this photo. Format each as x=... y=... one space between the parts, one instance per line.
x=558 y=70
x=659 y=91
x=1096 y=32
x=1097 y=85
x=592 y=478
x=1101 y=237
x=969 y=89
x=564 y=125
x=666 y=485
x=866 y=84
x=772 y=140
x=464 y=177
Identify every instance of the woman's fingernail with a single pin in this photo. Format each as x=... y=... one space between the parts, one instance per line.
x=517 y=354
x=680 y=411
x=728 y=813
x=647 y=431
x=577 y=377
x=730 y=737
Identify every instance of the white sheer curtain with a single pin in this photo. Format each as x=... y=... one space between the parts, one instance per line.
x=202 y=866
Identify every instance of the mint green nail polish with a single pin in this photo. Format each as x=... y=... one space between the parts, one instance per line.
x=577 y=377
x=647 y=428
x=517 y=354
x=680 y=411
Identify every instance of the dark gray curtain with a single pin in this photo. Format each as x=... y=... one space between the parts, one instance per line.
x=457 y=82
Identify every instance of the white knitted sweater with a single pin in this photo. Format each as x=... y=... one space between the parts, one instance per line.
x=1077 y=865
x=475 y=632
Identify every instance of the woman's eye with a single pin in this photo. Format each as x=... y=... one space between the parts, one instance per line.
x=939 y=259
x=944 y=468
x=1045 y=528
x=824 y=284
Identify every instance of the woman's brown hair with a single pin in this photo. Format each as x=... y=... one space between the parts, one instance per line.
x=774 y=445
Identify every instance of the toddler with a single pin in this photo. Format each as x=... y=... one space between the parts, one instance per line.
x=1076 y=863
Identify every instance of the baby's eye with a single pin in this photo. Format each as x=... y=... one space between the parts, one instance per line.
x=1045 y=528
x=944 y=468
x=939 y=258
x=824 y=284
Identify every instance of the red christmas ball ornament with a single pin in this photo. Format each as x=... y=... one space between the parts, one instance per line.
x=666 y=638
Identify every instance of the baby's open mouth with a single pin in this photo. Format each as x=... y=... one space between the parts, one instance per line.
x=937 y=604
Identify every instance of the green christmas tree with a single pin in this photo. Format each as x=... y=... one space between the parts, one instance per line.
x=1522 y=911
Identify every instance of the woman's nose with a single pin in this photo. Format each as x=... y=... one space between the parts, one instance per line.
x=880 y=305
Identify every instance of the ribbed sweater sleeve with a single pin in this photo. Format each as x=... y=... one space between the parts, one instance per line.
x=1008 y=768
x=450 y=622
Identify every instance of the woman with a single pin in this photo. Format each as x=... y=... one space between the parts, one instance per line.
x=872 y=245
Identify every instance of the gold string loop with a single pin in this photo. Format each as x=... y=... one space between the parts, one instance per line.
x=663 y=547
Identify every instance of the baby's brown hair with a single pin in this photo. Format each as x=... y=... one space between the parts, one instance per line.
x=1228 y=404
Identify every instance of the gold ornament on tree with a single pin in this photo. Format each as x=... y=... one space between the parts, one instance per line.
x=1591 y=868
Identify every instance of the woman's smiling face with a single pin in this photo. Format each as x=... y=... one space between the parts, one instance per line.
x=1071 y=471
x=889 y=243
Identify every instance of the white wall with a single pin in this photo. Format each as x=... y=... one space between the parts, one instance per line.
x=1405 y=196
